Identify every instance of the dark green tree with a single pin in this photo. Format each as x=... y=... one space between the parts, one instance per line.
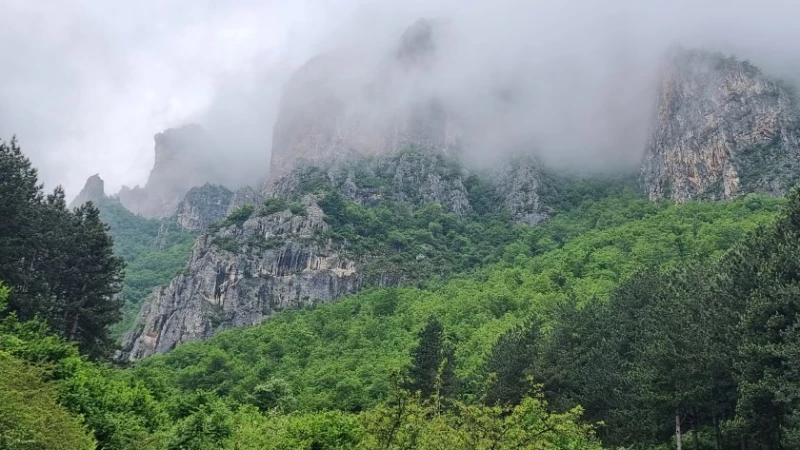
x=91 y=303
x=432 y=368
x=509 y=364
x=59 y=264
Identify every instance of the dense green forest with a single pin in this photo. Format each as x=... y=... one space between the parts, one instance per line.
x=619 y=322
x=154 y=252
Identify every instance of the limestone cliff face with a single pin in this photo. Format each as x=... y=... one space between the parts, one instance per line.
x=722 y=129
x=337 y=107
x=203 y=206
x=519 y=182
x=93 y=191
x=240 y=275
x=416 y=177
x=245 y=196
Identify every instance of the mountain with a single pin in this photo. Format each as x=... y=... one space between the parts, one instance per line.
x=343 y=168
x=330 y=231
x=722 y=129
x=181 y=163
x=339 y=106
x=93 y=191
x=345 y=148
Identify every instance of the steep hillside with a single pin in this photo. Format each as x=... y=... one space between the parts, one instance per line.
x=722 y=129
x=328 y=231
x=154 y=252
x=341 y=355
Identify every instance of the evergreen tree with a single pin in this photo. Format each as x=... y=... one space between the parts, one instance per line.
x=432 y=368
x=59 y=264
x=91 y=303
x=20 y=248
x=509 y=363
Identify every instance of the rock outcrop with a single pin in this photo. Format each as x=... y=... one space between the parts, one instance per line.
x=203 y=206
x=93 y=191
x=519 y=182
x=722 y=129
x=417 y=177
x=245 y=196
x=336 y=107
x=362 y=129
x=242 y=274
x=181 y=163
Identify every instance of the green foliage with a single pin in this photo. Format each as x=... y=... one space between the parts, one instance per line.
x=239 y=216
x=121 y=413
x=407 y=422
x=581 y=254
x=227 y=243
x=274 y=394
x=279 y=204
x=30 y=417
x=154 y=251
x=432 y=364
x=415 y=243
x=4 y=293
x=274 y=205
x=59 y=263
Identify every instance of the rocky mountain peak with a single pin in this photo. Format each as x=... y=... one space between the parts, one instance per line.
x=338 y=106
x=182 y=161
x=721 y=129
x=93 y=190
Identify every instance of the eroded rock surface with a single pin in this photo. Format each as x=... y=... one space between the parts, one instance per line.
x=242 y=274
x=93 y=191
x=203 y=206
x=722 y=129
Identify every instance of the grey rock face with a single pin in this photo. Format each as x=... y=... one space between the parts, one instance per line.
x=417 y=177
x=241 y=275
x=93 y=191
x=337 y=107
x=203 y=206
x=519 y=182
x=722 y=129
x=245 y=196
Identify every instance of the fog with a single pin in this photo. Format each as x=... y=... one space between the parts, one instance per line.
x=86 y=84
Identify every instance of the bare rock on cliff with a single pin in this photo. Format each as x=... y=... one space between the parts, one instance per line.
x=93 y=191
x=338 y=106
x=519 y=182
x=722 y=129
x=245 y=196
x=240 y=275
x=203 y=206
x=417 y=177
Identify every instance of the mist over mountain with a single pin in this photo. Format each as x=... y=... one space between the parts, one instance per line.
x=361 y=224
x=92 y=86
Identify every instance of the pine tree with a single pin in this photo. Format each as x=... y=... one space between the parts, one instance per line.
x=59 y=264
x=509 y=364
x=432 y=368
x=91 y=302
x=20 y=196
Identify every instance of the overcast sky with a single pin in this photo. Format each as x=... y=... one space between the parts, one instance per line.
x=85 y=84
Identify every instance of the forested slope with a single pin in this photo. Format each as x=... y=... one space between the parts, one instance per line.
x=613 y=323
